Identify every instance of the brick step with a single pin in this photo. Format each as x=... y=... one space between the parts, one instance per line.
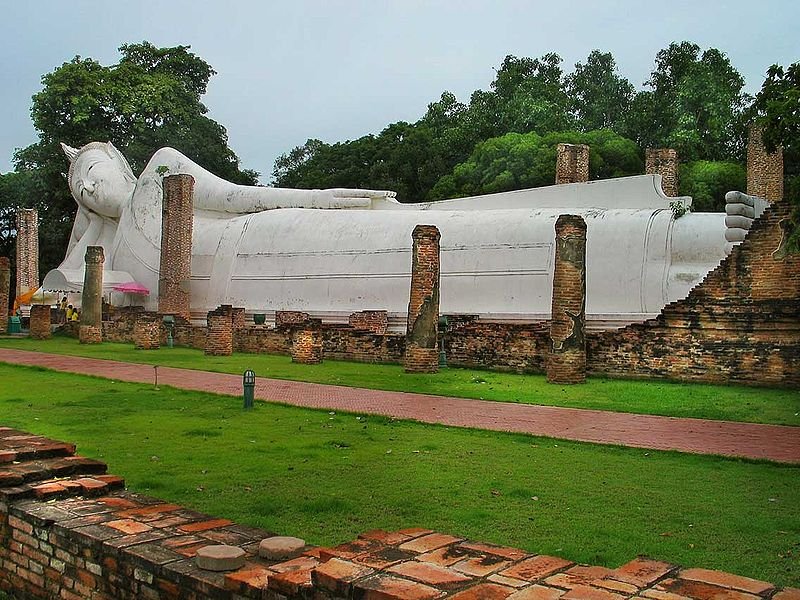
x=17 y=473
x=18 y=445
x=66 y=487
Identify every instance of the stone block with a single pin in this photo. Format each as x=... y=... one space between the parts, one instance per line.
x=220 y=558
x=280 y=547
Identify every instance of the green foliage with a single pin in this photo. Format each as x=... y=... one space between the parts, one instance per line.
x=777 y=108
x=588 y=503
x=600 y=97
x=707 y=182
x=518 y=161
x=148 y=100
x=695 y=105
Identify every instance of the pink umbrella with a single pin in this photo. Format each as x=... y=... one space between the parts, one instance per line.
x=132 y=287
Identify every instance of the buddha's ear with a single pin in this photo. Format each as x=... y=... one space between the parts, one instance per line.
x=69 y=151
x=117 y=156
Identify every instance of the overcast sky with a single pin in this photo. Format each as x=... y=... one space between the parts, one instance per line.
x=335 y=70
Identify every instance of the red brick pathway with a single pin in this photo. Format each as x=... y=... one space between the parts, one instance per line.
x=772 y=442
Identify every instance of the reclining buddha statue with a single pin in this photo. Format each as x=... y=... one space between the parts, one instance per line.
x=333 y=252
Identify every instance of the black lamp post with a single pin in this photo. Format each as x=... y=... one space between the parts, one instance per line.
x=249 y=385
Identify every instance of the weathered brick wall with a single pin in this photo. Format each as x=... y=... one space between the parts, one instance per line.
x=5 y=292
x=69 y=531
x=147 y=332
x=376 y=321
x=176 y=245
x=307 y=343
x=91 y=331
x=741 y=324
x=27 y=250
x=262 y=340
x=290 y=318
x=572 y=163
x=40 y=322
x=764 y=169
x=663 y=161
x=566 y=362
x=341 y=342
x=518 y=347
x=219 y=341
x=422 y=354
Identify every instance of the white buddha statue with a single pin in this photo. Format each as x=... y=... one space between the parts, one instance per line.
x=337 y=251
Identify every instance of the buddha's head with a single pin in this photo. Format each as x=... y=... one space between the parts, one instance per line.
x=100 y=178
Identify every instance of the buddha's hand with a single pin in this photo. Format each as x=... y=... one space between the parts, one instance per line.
x=741 y=210
x=347 y=198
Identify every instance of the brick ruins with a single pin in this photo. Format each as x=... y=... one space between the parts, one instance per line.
x=40 y=322
x=5 y=292
x=27 y=250
x=90 y=331
x=764 y=169
x=68 y=530
x=176 y=245
x=422 y=354
x=572 y=163
x=664 y=162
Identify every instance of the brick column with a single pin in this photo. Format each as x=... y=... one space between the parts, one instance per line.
x=663 y=161
x=422 y=355
x=572 y=163
x=5 y=292
x=147 y=332
x=27 y=250
x=764 y=169
x=40 y=322
x=91 y=327
x=307 y=344
x=237 y=318
x=219 y=341
x=176 y=245
x=567 y=360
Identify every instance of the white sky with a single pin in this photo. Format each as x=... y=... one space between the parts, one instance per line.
x=290 y=70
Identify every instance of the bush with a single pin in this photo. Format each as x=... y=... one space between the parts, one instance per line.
x=707 y=182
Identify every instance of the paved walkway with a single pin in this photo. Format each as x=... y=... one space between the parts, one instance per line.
x=772 y=442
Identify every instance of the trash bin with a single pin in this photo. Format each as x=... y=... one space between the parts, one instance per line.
x=14 y=325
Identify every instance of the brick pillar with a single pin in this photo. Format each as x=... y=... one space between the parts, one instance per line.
x=663 y=161
x=219 y=341
x=567 y=360
x=572 y=163
x=176 y=245
x=764 y=169
x=147 y=332
x=237 y=318
x=5 y=292
x=307 y=344
x=91 y=327
x=27 y=250
x=422 y=355
x=40 y=322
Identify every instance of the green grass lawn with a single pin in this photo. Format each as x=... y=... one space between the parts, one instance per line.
x=732 y=403
x=327 y=477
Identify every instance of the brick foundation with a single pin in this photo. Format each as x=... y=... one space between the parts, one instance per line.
x=664 y=162
x=68 y=530
x=764 y=169
x=572 y=163
x=147 y=332
x=290 y=318
x=376 y=321
x=40 y=322
x=422 y=355
x=219 y=341
x=567 y=360
x=5 y=292
x=177 y=221
x=27 y=250
x=307 y=344
x=90 y=334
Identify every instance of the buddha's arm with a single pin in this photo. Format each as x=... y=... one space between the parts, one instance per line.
x=216 y=194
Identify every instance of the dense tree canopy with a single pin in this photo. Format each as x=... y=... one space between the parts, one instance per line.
x=149 y=99
x=693 y=102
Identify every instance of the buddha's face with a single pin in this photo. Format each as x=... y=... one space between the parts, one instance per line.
x=100 y=182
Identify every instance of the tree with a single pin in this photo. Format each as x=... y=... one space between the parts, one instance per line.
x=599 y=97
x=518 y=161
x=149 y=99
x=695 y=105
x=707 y=182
